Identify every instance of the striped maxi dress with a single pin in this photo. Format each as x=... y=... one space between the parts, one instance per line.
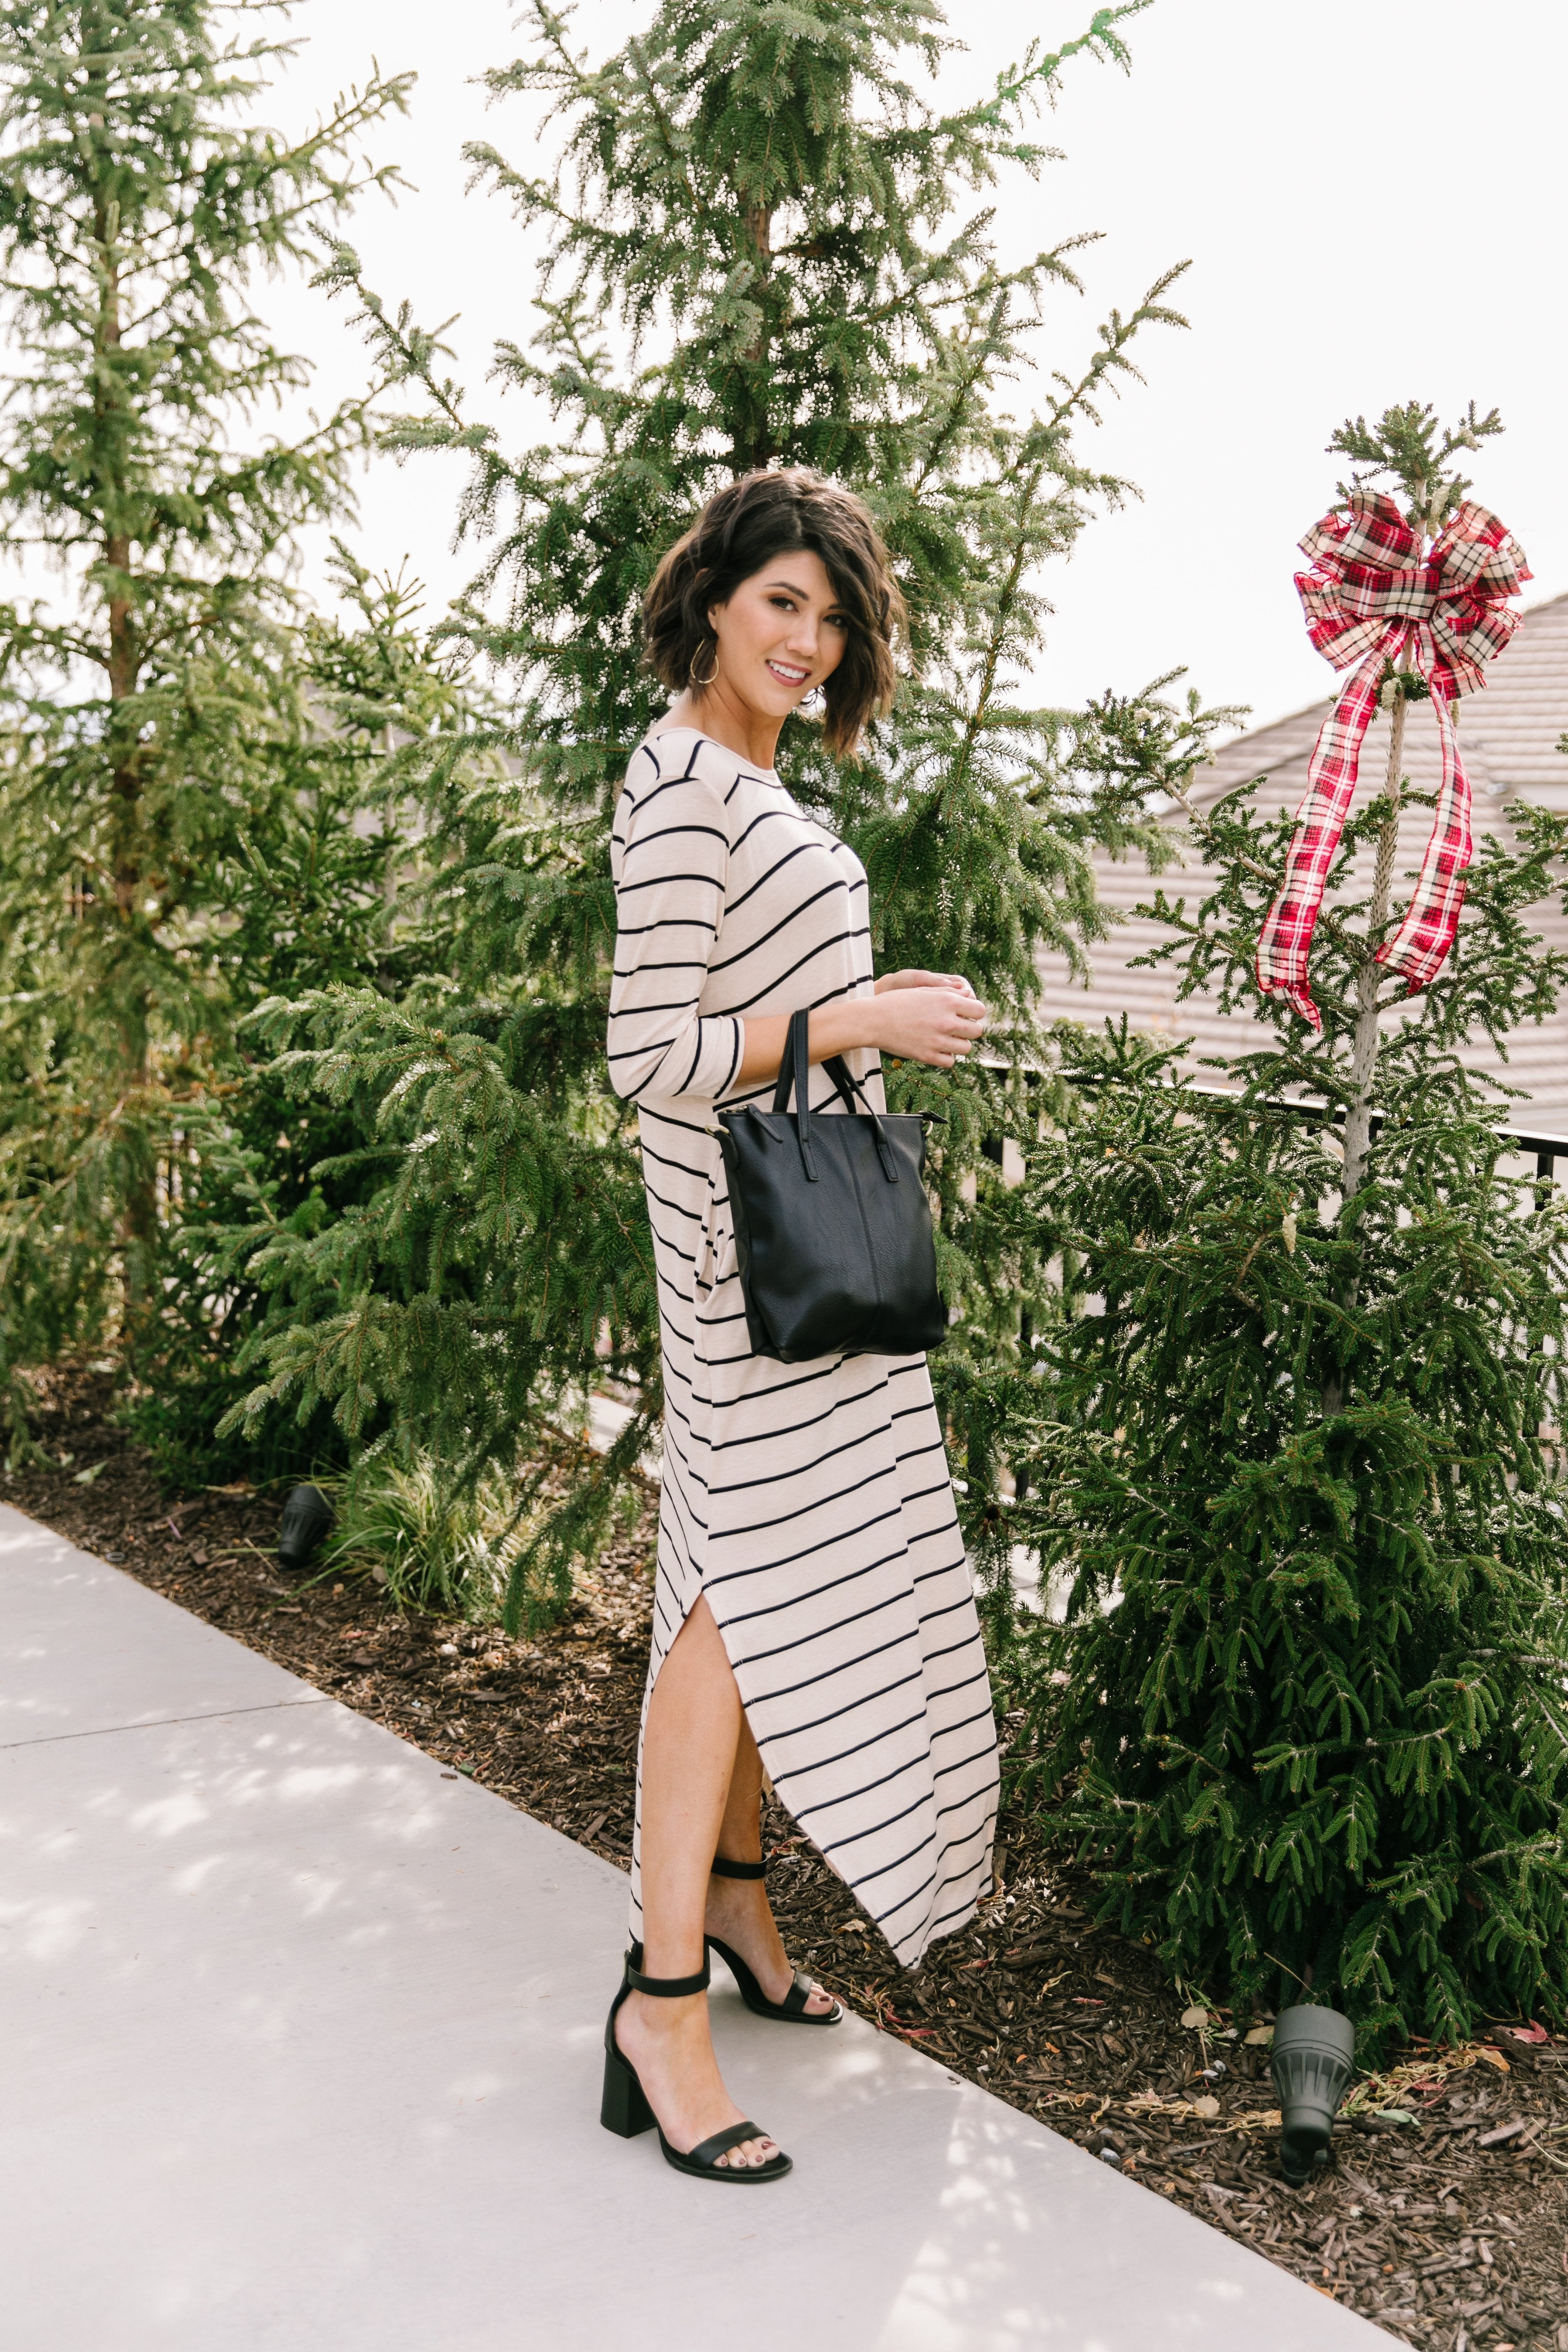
x=812 y=1503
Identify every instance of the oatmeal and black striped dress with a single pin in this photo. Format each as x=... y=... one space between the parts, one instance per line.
x=811 y=1503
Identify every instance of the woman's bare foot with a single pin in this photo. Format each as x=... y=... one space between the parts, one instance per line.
x=669 y=2043
x=738 y=1913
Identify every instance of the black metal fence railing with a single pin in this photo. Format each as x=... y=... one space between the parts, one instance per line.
x=1548 y=1148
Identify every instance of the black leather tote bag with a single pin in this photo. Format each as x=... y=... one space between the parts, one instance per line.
x=832 y=1225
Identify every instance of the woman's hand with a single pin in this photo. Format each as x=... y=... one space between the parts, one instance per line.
x=927 y=1017
x=918 y=1016
x=923 y=980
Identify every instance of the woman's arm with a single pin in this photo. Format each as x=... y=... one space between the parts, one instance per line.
x=916 y=1016
x=670 y=901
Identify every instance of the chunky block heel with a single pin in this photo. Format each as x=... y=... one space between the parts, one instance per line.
x=624 y=2108
x=792 y=2010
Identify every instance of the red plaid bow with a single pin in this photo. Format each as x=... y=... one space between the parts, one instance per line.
x=1372 y=599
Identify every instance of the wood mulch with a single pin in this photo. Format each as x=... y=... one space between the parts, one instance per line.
x=1450 y=2231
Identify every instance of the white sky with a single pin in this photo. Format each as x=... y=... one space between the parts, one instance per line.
x=1366 y=191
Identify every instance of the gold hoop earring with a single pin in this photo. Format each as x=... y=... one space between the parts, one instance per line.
x=693 y=678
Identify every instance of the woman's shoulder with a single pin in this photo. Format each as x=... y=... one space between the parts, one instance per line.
x=685 y=754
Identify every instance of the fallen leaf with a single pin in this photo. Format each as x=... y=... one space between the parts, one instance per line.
x=1493 y=2058
x=1260 y=2037
x=1195 y=2019
x=1529 y=2033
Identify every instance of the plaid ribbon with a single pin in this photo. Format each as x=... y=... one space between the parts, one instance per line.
x=1373 y=602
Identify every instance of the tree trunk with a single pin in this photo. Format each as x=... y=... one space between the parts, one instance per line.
x=1364 y=1040
x=139 y=1219
x=1369 y=980
x=754 y=446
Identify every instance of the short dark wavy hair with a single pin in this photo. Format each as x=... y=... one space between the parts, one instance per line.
x=739 y=530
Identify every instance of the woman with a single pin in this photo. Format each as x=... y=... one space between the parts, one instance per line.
x=813 y=1610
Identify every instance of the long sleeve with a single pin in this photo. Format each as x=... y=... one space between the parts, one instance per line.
x=672 y=865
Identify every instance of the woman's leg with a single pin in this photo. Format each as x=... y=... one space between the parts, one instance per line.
x=737 y=1909
x=689 y=1752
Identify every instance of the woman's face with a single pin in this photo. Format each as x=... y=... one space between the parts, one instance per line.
x=782 y=633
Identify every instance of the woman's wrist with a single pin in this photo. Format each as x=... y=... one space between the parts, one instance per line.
x=852 y=1023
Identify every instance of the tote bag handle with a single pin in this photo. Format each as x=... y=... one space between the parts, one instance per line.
x=794 y=1071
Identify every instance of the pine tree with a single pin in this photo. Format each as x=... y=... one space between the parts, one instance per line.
x=756 y=256
x=156 y=739
x=336 y=890
x=1294 y=1445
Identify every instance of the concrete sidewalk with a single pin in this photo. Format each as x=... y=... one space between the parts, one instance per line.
x=303 y=2044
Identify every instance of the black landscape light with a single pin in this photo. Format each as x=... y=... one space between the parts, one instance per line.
x=306 y=1516
x=1311 y=2061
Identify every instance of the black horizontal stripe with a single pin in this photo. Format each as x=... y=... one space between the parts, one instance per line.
x=850 y=1707
x=804 y=1508
x=790 y=1429
x=826 y=1763
x=663 y=882
x=822 y=1632
x=814 y=1592
x=867 y=1788
x=876 y=1829
x=982 y=1715
x=784 y=923
x=803 y=1470
x=898 y=1640
x=749 y=1004
x=802 y=849
x=671 y=832
x=665 y=923
x=763 y=1566
x=867 y=1878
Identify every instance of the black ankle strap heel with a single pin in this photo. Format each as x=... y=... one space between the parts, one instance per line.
x=624 y=2108
x=722 y=1869
x=792 y=2010
x=666 y=1988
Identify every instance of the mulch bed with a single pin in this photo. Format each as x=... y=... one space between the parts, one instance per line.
x=1451 y=2231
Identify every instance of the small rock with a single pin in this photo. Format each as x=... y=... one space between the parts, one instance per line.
x=1195 y=2020
x=1259 y=2038
x=1205 y=2108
